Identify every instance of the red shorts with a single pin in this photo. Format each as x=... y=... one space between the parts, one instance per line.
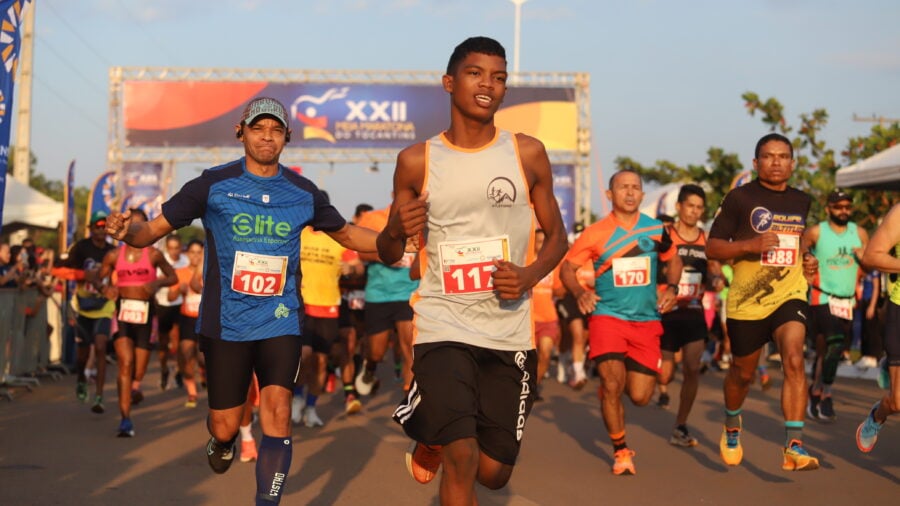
x=547 y=329
x=635 y=343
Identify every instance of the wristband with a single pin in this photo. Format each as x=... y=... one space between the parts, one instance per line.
x=672 y=285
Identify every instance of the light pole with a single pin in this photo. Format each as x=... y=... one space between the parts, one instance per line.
x=516 y=34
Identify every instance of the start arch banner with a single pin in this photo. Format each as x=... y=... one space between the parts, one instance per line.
x=331 y=114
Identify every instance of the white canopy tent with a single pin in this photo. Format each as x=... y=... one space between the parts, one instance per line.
x=879 y=172
x=23 y=205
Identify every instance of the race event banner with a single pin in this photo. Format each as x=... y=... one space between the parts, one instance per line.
x=141 y=187
x=13 y=11
x=338 y=115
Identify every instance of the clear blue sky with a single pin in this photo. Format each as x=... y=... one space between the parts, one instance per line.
x=666 y=76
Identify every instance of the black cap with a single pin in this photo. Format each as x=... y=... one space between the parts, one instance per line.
x=838 y=195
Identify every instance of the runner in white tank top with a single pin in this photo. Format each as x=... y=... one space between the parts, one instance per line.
x=469 y=197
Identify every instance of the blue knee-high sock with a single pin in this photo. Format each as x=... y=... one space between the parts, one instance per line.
x=272 y=468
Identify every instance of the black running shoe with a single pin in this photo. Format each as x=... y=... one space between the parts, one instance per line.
x=663 y=401
x=812 y=409
x=826 y=410
x=220 y=455
x=164 y=379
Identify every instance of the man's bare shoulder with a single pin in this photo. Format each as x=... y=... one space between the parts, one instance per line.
x=530 y=146
x=412 y=156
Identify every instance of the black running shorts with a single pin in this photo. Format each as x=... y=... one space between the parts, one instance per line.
x=892 y=333
x=747 y=336
x=567 y=309
x=187 y=328
x=139 y=333
x=461 y=391
x=320 y=333
x=382 y=316
x=679 y=330
x=230 y=365
x=166 y=318
x=822 y=322
x=87 y=328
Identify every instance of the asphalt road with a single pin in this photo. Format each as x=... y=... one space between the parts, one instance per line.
x=53 y=450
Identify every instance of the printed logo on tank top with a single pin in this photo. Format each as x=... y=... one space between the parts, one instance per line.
x=842 y=260
x=501 y=192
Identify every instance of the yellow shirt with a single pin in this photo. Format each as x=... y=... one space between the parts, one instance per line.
x=320 y=263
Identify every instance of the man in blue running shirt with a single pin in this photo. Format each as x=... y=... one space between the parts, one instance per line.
x=251 y=314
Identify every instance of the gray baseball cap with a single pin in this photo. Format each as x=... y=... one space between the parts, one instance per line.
x=262 y=106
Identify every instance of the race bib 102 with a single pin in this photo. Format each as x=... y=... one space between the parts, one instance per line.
x=466 y=266
x=259 y=275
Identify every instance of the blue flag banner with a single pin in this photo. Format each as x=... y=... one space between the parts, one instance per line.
x=103 y=196
x=11 y=14
x=68 y=235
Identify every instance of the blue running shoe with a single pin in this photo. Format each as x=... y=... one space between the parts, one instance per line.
x=867 y=432
x=126 y=428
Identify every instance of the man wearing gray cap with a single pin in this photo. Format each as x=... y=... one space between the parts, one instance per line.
x=837 y=244
x=251 y=314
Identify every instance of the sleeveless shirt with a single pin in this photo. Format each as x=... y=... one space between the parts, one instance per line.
x=480 y=207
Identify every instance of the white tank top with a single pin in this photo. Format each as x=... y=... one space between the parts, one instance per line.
x=480 y=208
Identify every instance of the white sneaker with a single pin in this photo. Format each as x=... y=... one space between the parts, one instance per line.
x=866 y=363
x=297 y=409
x=363 y=387
x=311 y=418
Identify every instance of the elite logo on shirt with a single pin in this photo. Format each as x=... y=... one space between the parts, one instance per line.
x=245 y=225
x=502 y=192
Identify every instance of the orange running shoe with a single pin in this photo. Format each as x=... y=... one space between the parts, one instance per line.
x=423 y=461
x=623 y=464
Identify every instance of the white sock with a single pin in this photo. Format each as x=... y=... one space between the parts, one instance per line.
x=246 y=433
x=579 y=369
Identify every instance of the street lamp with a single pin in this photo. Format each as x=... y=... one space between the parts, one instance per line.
x=516 y=34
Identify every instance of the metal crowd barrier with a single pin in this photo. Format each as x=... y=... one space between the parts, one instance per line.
x=24 y=342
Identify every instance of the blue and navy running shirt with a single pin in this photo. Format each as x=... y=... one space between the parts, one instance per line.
x=251 y=278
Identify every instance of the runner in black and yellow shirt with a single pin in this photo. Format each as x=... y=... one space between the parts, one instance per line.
x=759 y=227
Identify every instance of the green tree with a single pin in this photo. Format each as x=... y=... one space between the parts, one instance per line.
x=715 y=176
x=816 y=163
